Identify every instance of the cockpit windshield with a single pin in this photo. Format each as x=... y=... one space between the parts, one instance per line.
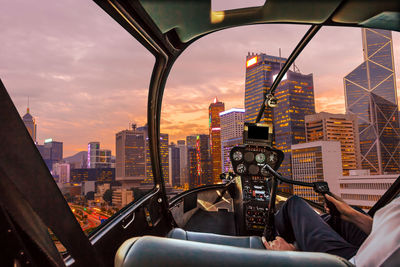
x=80 y=84
x=327 y=101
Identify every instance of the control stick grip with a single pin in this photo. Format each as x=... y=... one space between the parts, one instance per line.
x=335 y=221
x=332 y=208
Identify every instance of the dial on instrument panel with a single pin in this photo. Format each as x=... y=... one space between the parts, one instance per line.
x=237 y=155
x=265 y=172
x=253 y=169
x=260 y=157
x=249 y=156
x=241 y=168
x=272 y=158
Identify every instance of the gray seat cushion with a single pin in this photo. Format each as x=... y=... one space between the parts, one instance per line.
x=235 y=241
x=153 y=251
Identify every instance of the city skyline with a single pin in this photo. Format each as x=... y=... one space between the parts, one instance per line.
x=97 y=84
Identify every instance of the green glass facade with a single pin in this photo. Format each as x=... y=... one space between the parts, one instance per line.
x=370 y=92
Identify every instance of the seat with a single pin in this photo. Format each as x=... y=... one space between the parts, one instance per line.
x=152 y=251
x=235 y=241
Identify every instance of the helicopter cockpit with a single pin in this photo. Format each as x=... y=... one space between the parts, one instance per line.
x=206 y=220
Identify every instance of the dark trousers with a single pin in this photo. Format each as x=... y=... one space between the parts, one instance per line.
x=297 y=221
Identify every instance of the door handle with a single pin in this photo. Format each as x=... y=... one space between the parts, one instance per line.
x=127 y=220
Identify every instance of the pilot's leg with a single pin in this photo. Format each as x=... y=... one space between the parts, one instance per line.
x=349 y=231
x=297 y=221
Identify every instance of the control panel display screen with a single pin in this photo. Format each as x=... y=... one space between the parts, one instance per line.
x=258 y=133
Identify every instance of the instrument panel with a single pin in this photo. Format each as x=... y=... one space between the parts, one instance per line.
x=249 y=160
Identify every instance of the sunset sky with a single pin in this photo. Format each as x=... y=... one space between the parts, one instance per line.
x=87 y=78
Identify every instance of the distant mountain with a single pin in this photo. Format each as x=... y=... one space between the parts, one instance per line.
x=79 y=160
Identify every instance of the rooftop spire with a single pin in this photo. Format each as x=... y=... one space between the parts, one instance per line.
x=215 y=100
x=27 y=109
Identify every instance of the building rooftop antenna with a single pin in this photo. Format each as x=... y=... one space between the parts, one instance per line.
x=295 y=68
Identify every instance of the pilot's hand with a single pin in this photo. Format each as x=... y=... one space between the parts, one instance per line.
x=346 y=212
x=278 y=244
x=363 y=221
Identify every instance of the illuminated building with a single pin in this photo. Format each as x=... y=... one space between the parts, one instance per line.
x=149 y=181
x=98 y=158
x=193 y=177
x=203 y=161
x=103 y=175
x=260 y=69
x=215 y=138
x=364 y=190
x=337 y=127
x=183 y=163
x=232 y=122
x=314 y=162
x=30 y=124
x=174 y=165
x=370 y=92
x=130 y=162
x=295 y=97
x=191 y=140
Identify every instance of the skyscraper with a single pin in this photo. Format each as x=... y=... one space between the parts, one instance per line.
x=215 y=138
x=191 y=140
x=174 y=165
x=149 y=181
x=370 y=92
x=232 y=122
x=193 y=176
x=130 y=162
x=30 y=124
x=98 y=158
x=336 y=127
x=260 y=71
x=51 y=152
x=295 y=95
x=315 y=162
x=183 y=163
x=203 y=160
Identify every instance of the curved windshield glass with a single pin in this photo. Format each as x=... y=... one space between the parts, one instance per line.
x=336 y=118
x=80 y=83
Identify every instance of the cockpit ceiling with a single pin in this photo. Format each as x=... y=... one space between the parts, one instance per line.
x=194 y=18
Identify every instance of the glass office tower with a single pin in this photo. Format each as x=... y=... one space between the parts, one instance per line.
x=295 y=95
x=370 y=92
x=260 y=71
x=215 y=138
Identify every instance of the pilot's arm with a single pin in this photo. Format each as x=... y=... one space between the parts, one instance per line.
x=347 y=213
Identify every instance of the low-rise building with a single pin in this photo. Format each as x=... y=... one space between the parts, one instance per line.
x=121 y=197
x=364 y=190
x=315 y=162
